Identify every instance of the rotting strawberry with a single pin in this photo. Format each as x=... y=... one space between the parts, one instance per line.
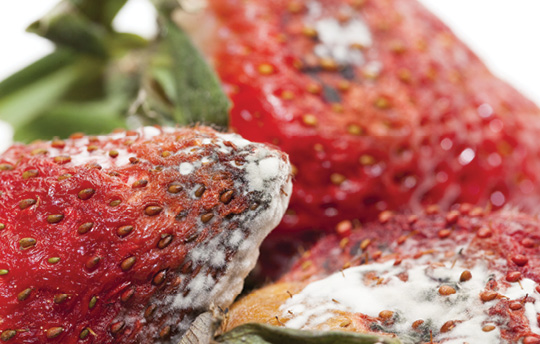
x=463 y=276
x=126 y=238
x=377 y=103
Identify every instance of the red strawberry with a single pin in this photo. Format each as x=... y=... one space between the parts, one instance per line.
x=126 y=238
x=377 y=103
x=465 y=276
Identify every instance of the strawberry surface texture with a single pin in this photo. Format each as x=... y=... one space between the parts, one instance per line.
x=377 y=103
x=126 y=238
x=466 y=276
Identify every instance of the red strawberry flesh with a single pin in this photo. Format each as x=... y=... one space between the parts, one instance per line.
x=377 y=103
x=126 y=238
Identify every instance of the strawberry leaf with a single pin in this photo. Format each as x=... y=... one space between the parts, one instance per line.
x=266 y=334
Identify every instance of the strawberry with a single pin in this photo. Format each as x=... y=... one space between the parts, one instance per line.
x=462 y=276
x=377 y=103
x=126 y=238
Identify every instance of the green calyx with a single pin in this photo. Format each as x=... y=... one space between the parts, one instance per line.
x=99 y=79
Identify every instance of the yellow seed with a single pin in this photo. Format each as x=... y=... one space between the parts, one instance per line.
x=417 y=323
x=313 y=88
x=382 y=103
x=488 y=328
x=92 y=302
x=25 y=203
x=54 y=332
x=337 y=107
x=386 y=314
x=354 y=129
x=62 y=159
x=488 y=295
x=30 y=174
x=226 y=196
x=287 y=95
x=306 y=264
x=38 y=151
x=85 y=194
x=265 y=69
x=465 y=276
x=344 y=85
x=53 y=260
x=27 y=242
x=174 y=188
x=397 y=47
x=328 y=64
x=207 y=217
x=23 y=295
x=153 y=210
x=318 y=147
x=404 y=75
x=309 y=32
x=55 y=218
x=448 y=326
x=345 y=323
x=59 y=298
x=128 y=263
x=85 y=227
x=295 y=7
x=364 y=244
x=367 y=160
x=84 y=333
x=309 y=120
x=446 y=290
x=337 y=178
x=7 y=335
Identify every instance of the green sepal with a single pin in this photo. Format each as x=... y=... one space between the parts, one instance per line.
x=99 y=11
x=199 y=97
x=47 y=65
x=266 y=334
x=66 y=26
x=28 y=102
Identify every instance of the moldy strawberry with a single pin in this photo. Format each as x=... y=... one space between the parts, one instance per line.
x=128 y=237
x=464 y=276
x=378 y=104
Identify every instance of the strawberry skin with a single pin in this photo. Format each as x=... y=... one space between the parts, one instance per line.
x=376 y=102
x=126 y=238
x=489 y=261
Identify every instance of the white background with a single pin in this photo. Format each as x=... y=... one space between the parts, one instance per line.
x=505 y=33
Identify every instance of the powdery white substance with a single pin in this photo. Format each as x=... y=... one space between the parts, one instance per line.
x=338 y=40
x=6 y=136
x=418 y=298
x=526 y=287
x=80 y=155
x=186 y=168
x=267 y=174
